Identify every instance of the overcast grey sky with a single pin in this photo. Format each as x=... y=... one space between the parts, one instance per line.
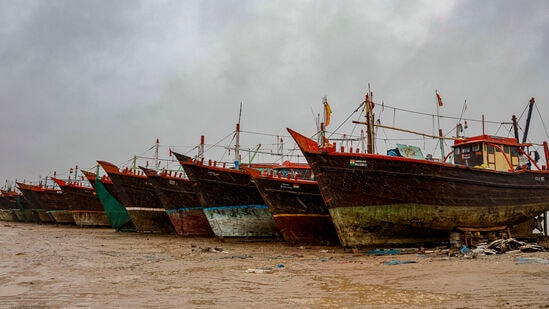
x=101 y=80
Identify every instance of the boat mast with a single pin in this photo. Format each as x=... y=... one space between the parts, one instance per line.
x=515 y=127
x=237 y=140
x=532 y=101
x=325 y=123
x=281 y=149
x=156 y=160
x=201 y=148
x=370 y=121
x=441 y=140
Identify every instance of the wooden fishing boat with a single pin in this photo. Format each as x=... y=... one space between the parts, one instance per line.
x=139 y=198
x=379 y=199
x=175 y=192
x=294 y=200
x=231 y=201
x=107 y=194
x=9 y=202
x=83 y=203
x=38 y=200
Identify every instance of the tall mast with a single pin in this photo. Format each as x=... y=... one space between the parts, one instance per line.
x=237 y=139
x=201 y=148
x=324 y=123
x=515 y=127
x=441 y=140
x=370 y=121
x=281 y=149
x=532 y=101
x=156 y=160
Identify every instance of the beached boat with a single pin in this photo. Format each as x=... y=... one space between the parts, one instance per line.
x=8 y=204
x=107 y=195
x=294 y=200
x=35 y=200
x=83 y=203
x=231 y=201
x=139 y=198
x=180 y=201
x=379 y=199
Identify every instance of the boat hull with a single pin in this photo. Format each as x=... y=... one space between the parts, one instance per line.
x=62 y=216
x=232 y=203
x=181 y=203
x=242 y=221
x=19 y=215
x=136 y=193
x=190 y=222
x=374 y=198
x=90 y=218
x=42 y=216
x=8 y=215
x=298 y=210
x=150 y=220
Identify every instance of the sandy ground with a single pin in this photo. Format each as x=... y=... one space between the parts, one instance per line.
x=46 y=266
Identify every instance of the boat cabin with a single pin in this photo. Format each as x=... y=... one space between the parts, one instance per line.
x=492 y=152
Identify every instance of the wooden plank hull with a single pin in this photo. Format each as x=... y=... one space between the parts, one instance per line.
x=42 y=216
x=113 y=213
x=62 y=216
x=242 y=221
x=19 y=215
x=84 y=204
x=150 y=220
x=232 y=203
x=298 y=210
x=190 y=222
x=8 y=215
x=139 y=198
x=373 y=198
x=181 y=203
x=91 y=218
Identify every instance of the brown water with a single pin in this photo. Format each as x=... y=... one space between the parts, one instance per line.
x=46 y=266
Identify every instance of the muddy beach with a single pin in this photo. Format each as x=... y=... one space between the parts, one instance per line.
x=48 y=266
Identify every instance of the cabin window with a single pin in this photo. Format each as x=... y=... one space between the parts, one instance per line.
x=466 y=149
x=457 y=150
x=476 y=147
x=490 y=149
x=506 y=149
x=514 y=151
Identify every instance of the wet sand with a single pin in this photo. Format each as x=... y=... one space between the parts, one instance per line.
x=47 y=266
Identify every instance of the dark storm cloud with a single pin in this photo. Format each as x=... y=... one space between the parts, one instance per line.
x=88 y=80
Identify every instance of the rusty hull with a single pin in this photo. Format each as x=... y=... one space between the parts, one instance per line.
x=232 y=203
x=375 y=198
x=137 y=194
x=298 y=209
x=181 y=203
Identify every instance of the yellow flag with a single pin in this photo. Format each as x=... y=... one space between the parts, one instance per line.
x=327 y=113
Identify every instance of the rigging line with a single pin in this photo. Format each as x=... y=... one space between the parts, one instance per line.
x=542 y=122
x=346 y=119
x=447 y=117
x=258 y=133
